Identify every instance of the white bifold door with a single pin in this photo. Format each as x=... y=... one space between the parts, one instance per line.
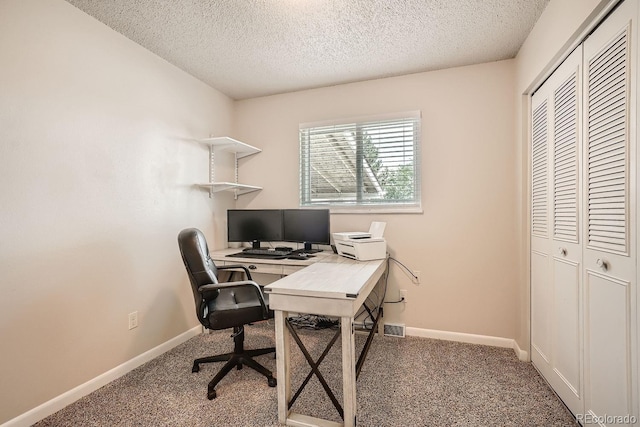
x=583 y=225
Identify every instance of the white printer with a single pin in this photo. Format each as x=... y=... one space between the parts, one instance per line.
x=362 y=246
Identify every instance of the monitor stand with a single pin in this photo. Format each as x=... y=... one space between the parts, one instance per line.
x=255 y=244
x=308 y=250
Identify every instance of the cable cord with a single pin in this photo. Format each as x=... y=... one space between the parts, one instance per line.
x=372 y=312
x=313 y=321
x=405 y=267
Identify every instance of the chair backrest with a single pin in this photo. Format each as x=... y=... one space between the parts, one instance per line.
x=200 y=267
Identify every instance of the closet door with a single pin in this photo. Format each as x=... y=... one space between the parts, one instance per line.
x=557 y=257
x=541 y=299
x=539 y=173
x=609 y=254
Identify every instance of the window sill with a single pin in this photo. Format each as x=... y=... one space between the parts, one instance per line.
x=337 y=210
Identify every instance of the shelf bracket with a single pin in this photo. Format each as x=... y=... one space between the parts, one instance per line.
x=235 y=167
x=212 y=170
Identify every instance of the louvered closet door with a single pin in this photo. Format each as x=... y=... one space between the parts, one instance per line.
x=556 y=259
x=541 y=300
x=609 y=254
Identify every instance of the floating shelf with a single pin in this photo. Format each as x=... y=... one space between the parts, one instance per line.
x=224 y=143
x=216 y=187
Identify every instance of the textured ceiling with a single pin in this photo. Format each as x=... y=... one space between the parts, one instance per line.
x=249 y=48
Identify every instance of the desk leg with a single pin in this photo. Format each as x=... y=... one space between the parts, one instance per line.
x=282 y=366
x=348 y=371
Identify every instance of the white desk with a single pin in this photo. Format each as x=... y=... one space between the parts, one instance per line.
x=328 y=285
x=336 y=287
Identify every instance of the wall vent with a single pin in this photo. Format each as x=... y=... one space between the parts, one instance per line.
x=394 y=330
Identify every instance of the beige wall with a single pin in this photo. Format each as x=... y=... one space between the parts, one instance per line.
x=465 y=242
x=559 y=27
x=96 y=181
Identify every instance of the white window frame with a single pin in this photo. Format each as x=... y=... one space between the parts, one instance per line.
x=360 y=206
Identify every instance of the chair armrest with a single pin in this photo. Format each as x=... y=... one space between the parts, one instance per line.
x=236 y=267
x=226 y=285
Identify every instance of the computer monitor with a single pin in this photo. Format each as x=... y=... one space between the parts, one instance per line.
x=254 y=225
x=307 y=226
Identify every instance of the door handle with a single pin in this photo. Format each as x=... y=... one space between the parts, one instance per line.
x=562 y=251
x=603 y=264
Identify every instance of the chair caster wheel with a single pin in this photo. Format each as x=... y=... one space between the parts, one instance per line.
x=211 y=394
x=272 y=382
x=195 y=368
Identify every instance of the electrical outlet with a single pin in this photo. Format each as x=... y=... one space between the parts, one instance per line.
x=133 y=320
x=416 y=279
x=403 y=295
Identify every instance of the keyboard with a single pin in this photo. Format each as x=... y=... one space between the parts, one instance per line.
x=265 y=252
x=261 y=253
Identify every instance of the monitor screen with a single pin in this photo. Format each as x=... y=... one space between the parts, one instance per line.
x=254 y=225
x=307 y=226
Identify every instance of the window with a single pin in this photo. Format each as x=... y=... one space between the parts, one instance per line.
x=366 y=164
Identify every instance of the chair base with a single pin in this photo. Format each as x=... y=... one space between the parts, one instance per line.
x=238 y=359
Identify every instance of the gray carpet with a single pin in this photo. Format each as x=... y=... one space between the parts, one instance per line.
x=404 y=382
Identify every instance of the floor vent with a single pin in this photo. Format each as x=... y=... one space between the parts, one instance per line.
x=394 y=330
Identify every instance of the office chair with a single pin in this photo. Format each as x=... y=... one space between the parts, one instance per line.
x=224 y=305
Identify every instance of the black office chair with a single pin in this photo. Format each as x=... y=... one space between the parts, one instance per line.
x=224 y=305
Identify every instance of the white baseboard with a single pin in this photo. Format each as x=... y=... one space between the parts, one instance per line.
x=54 y=405
x=469 y=338
x=522 y=354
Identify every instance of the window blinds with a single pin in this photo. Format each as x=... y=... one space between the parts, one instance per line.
x=362 y=163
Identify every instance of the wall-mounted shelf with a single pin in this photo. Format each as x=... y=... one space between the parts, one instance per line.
x=224 y=143
x=229 y=145
x=215 y=187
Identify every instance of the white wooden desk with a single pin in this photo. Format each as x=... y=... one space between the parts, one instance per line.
x=328 y=285
x=336 y=287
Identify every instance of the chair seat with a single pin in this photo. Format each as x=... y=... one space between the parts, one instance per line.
x=234 y=307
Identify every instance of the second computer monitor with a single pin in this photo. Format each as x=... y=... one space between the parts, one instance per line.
x=308 y=226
